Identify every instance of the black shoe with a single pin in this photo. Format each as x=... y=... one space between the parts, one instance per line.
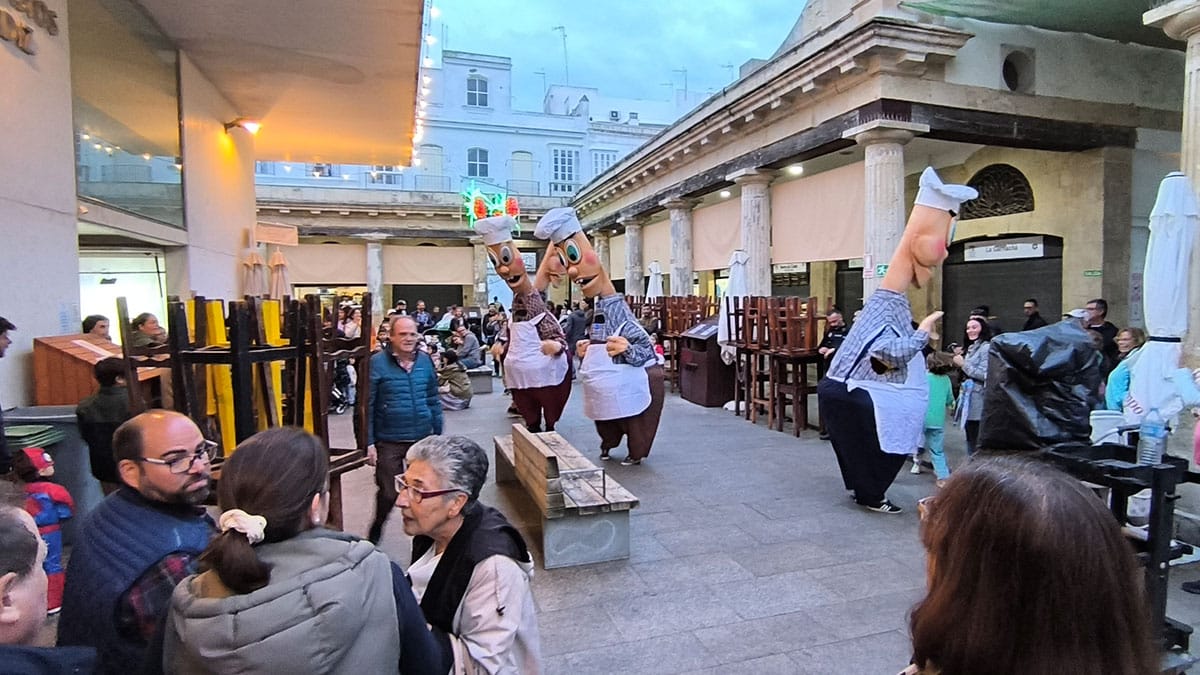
x=1191 y=587
x=884 y=507
x=823 y=436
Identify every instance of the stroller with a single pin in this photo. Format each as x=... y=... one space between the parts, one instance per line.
x=341 y=394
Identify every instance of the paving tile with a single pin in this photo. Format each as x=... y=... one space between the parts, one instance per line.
x=878 y=654
x=789 y=556
x=708 y=568
x=668 y=654
x=647 y=549
x=586 y=585
x=876 y=614
x=712 y=539
x=576 y=629
x=776 y=664
x=777 y=594
x=669 y=611
x=863 y=579
x=746 y=640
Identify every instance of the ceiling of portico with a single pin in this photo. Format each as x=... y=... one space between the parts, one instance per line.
x=1114 y=19
x=330 y=82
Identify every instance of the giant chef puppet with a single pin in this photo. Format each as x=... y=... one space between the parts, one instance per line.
x=537 y=367
x=871 y=400
x=622 y=380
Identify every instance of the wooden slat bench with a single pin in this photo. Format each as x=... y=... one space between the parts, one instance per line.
x=585 y=513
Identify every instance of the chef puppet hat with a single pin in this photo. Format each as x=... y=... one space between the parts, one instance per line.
x=558 y=224
x=496 y=229
x=936 y=194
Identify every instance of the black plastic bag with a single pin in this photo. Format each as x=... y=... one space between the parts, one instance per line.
x=1041 y=388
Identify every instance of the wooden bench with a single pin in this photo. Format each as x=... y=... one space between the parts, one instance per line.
x=481 y=379
x=585 y=513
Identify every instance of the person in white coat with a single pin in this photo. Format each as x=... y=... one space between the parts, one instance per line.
x=471 y=569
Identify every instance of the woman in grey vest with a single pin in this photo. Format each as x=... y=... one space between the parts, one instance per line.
x=280 y=593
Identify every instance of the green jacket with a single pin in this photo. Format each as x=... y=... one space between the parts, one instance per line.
x=456 y=377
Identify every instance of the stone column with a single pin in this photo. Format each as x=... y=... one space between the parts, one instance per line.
x=1181 y=21
x=756 y=227
x=600 y=243
x=480 y=263
x=635 y=284
x=375 y=280
x=886 y=208
x=681 y=244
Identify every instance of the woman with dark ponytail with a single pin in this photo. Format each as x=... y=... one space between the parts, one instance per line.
x=279 y=593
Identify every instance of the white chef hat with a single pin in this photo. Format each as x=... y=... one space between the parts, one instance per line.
x=936 y=194
x=495 y=229
x=558 y=224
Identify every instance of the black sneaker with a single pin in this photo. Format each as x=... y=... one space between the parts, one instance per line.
x=885 y=507
x=1191 y=587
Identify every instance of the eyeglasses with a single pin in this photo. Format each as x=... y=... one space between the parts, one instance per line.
x=415 y=495
x=182 y=464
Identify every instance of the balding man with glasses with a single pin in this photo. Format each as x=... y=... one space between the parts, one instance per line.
x=140 y=542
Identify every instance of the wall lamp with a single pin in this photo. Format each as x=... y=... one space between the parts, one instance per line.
x=244 y=123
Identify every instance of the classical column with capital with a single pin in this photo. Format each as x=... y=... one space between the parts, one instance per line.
x=600 y=243
x=886 y=210
x=756 y=227
x=479 y=290
x=1180 y=20
x=680 y=211
x=635 y=284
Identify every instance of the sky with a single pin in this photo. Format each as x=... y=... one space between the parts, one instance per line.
x=625 y=48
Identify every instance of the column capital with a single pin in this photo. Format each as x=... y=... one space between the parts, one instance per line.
x=751 y=176
x=1179 y=19
x=885 y=131
x=630 y=221
x=678 y=204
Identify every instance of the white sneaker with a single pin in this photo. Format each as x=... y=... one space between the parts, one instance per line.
x=916 y=465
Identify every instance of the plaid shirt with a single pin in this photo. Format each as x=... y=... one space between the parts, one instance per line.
x=616 y=314
x=140 y=612
x=525 y=306
x=884 y=332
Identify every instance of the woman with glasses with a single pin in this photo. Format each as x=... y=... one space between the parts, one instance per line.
x=1027 y=572
x=470 y=568
x=279 y=593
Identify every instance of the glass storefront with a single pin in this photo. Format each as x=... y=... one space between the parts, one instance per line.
x=125 y=91
x=137 y=276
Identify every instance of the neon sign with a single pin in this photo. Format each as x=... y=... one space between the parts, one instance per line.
x=478 y=205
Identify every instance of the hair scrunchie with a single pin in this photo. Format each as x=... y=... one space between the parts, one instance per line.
x=253 y=527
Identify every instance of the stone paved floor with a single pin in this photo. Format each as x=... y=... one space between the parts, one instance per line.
x=748 y=557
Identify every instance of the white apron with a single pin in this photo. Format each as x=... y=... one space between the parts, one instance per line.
x=525 y=366
x=611 y=390
x=899 y=408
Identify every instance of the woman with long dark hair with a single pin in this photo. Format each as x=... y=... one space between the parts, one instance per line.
x=280 y=593
x=974 y=363
x=1027 y=572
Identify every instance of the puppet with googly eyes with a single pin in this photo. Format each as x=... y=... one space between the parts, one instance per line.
x=622 y=380
x=537 y=367
x=874 y=396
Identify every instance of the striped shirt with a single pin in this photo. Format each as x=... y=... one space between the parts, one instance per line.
x=617 y=312
x=884 y=331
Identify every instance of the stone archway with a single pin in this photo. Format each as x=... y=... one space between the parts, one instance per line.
x=1003 y=190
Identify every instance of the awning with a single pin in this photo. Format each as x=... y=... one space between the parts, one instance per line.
x=716 y=233
x=327 y=264
x=616 y=257
x=429 y=265
x=819 y=217
x=656 y=244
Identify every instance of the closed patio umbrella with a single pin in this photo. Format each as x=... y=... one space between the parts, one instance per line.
x=254 y=274
x=1173 y=223
x=280 y=284
x=654 y=285
x=735 y=288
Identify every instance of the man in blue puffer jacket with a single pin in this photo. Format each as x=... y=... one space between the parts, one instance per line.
x=404 y=407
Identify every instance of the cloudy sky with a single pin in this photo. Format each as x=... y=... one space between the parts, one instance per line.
x=626 y=48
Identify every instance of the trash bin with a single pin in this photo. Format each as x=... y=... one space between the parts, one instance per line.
x=704 y=378
x=72 y=465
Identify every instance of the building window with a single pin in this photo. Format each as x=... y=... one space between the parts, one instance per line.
x=477 y=163
x=385 y=174
x=565 y=171
x=321 y=170
x=264 y=168
x=477 y=91
x=602 y=159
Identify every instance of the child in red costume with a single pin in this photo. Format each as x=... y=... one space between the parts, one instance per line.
x=49 y=504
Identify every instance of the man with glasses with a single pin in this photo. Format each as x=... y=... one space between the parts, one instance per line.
x=140 y=542
x=1033 y=317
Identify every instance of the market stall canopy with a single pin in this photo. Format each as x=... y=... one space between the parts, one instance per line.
x=330 y=82
x=1114 y=19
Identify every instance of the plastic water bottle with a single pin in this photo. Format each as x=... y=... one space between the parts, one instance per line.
x=1152 y=438
x=596 y=334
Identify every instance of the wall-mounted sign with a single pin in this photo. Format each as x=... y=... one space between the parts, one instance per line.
x=1093 y=273
x=276 y=233
x=1004 y=249
x=789 y=268
x=14 y=29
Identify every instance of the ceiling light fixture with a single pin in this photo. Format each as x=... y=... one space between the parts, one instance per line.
x=726 y=194
x=250 y=125
x=795 y=169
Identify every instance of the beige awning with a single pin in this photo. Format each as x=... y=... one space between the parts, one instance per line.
x=616 y=257
x=656 y=244
x=327 y=264
x=429 y=265
x=716 y=234
x=820 y=217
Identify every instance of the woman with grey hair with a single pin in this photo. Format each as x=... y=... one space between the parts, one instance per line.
x=470 y=568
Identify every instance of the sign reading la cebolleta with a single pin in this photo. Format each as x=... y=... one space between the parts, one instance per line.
x=15 y=30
